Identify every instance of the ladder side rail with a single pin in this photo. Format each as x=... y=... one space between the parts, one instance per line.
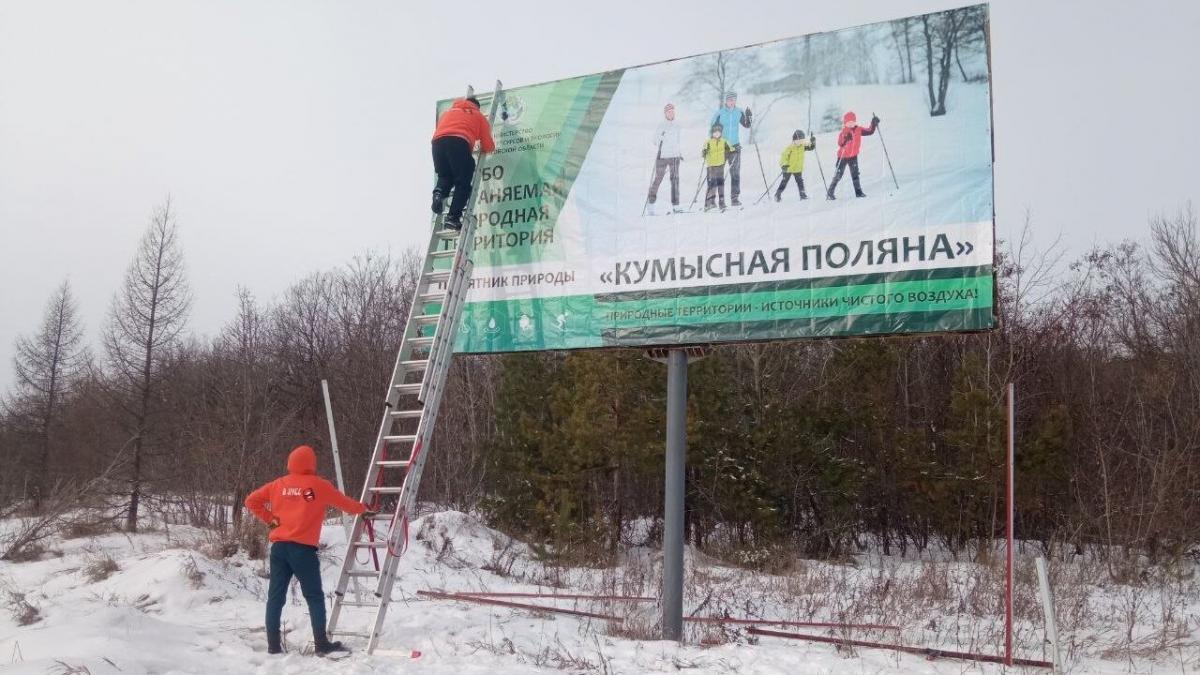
x=392 y=400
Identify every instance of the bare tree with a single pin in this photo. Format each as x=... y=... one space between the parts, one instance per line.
x=943 y=33
x=47 y=365
x=147 y=316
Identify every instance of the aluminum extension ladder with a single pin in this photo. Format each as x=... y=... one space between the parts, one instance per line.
x=410 y=412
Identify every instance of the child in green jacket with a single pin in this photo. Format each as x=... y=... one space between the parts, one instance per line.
x=792 y=163
x=716 y=149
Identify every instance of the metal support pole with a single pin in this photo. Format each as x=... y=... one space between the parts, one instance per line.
x=1048 y=613
x=337 y=459
x=672 y=592
x=1008 y=506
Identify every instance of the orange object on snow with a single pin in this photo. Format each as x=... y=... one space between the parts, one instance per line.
x=298 y=500
x=464 y=120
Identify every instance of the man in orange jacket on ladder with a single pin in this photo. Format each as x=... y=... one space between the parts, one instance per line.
x=458 y=130
x=297 y=504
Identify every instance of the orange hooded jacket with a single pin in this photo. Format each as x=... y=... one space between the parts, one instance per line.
x=464 y=120
x=298 y=500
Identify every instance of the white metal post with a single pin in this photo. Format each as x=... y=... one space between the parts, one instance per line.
x=1048 y=612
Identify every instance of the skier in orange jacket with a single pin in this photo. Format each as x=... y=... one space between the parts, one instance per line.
x=458 y=130
x=294 y=507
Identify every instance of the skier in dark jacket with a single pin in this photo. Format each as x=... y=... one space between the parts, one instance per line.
x=849 y=142
x=731 y=117
x=458 y=130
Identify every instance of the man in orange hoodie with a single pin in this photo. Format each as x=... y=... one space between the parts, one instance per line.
x=458 y=130
x=293 y=506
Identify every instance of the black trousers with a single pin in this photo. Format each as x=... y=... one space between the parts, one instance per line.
x=734 y=160
x=852 y=162
x=661 y=168
x=783 y=183
x=454 y=165
x=716 y=186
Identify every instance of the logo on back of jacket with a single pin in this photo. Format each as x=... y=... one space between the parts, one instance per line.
x=307 y=493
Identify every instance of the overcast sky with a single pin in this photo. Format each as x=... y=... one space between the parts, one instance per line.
x=293 y=135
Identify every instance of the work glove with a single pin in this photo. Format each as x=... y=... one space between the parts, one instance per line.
x=273 y=524
x=704 y=152
x=369 y=513
x=748 y=122
x=846 y=138
x=874 y=121
x=812 y=142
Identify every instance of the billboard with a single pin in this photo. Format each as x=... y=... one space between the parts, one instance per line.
x=833 y=184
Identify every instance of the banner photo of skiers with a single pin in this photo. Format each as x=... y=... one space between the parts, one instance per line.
x=832 y=184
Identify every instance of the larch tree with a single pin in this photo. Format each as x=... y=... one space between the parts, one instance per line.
x=47 y=365
x=147 y=316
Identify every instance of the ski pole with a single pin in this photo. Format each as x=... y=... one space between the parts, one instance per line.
x=653 y=170
x=879 y=130
x=812 y=134
x=699 y=183
x=764 y=195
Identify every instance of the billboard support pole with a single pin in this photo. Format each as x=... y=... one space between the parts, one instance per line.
x=1008 y=506
x=677 y=359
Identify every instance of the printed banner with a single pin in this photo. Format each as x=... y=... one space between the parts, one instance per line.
x=827 y=185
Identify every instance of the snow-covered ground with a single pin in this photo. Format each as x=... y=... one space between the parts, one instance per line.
x=169 y=608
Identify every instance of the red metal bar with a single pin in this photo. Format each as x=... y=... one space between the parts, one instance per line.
x=772 y=622
x=920 y=651
x=1009 y=506
x=557 y=596
x=517 y=605
x=490 y=599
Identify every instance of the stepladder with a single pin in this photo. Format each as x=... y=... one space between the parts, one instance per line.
x=415 y=393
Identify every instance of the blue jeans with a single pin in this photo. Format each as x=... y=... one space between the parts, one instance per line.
x=287 y=559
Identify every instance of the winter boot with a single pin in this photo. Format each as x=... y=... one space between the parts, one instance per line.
x=325 y=647
x=274 y=645
x=778 y=196
x=734 y=202
x=829 y=195
x=860 y=194
x=453 y=223
x=803 y=195
x=438 y=200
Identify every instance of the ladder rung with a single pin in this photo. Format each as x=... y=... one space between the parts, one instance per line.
x=350 y=633
x=386 y=490
x=401 y=438
x=415 y=364
x=362 y=573
x=420 y=340
x=427 y=298
x=426 y=319
x=444 y=254
x=352 y=603
x=410 y=388
x=370 y=544
x=446 y=233
x=406 y=414
x=437 y=275
x=382 y=516
x=392 y=463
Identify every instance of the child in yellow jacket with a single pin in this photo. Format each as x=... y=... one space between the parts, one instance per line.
x=715 y=151
x=792 y=163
